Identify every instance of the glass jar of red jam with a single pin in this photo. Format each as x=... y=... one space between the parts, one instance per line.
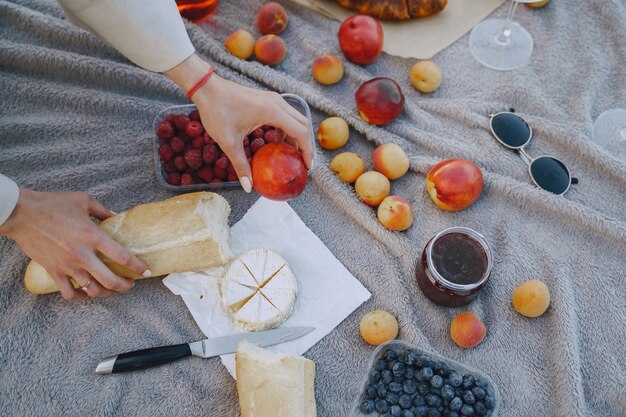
x=455 y=266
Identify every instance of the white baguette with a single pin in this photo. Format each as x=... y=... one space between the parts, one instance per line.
x=183 y=233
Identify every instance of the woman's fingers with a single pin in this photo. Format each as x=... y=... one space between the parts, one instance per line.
x=97 y=210
x=106 y=277
x=67 y=289
x=93 y=288
x=298 y=132
x=121 y=256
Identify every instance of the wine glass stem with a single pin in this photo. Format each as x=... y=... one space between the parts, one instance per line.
x=504 y=36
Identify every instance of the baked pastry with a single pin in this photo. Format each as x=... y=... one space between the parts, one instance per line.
x=395 y=9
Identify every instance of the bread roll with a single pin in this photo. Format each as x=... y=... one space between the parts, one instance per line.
x=183 y=233
x=274 y=384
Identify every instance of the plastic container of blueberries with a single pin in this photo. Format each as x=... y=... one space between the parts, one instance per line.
x=400 y=346
x=295 y=101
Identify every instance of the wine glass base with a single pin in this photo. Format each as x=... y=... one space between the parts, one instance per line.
x=495 y=51
x=609 y=131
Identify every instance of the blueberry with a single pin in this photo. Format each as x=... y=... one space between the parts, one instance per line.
x=467 y=410
x=409 y=386
x=436 y=381
x=410 y=372
x=381 y=364
x=443 y=370
x=455 y=404
x=381 y=406
x=399 y=379
x=468 y=381
x=447 y=393
x=452 y=414
x=367 y=407
x=423 y=388
x=455 y=379
x=386 y=376
x=399 y=369
x=392 y=398
x=481 y=382
x=375 y=376
x=370 y=391
x=427 y=363
x=468 y=398
x=395 y=386
x=458 y=392
x=434 y=412
x=480 y=408
x=433 y=400
x=405 y=401
x=426 y=373
x=402 y=357
x=381 y=389
x=395 y=410
x=421 y=411
x=490 y=402
x=479 y=393
x=390 y=355
x=437 y=366
x=391 y=364
x=419 y=361
x=418 y=400
x=407 y=413
x=411 y=358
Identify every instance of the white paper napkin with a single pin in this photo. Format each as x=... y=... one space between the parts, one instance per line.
x=327 y=291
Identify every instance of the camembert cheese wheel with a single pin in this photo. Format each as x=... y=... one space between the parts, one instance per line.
x=260 y=290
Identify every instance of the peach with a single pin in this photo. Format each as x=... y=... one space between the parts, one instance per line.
x=467 y=330
x=241 y=44
x=531 y=298
x=538 y=4
x=426 y=76
x=454 y=184
x=348 y=166
x=378 y=327
x=271 y=19
x=327 y=69
x=333 y=133
x=270 y=50
x=390 y=160
x=278 y=171
x=395 y=213
x=372 y=187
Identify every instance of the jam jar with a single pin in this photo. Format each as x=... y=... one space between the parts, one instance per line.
x=454 y=267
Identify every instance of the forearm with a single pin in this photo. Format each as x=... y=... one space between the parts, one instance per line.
x=9 y=195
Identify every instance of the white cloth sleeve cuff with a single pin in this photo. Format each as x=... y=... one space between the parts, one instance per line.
x=9 y=194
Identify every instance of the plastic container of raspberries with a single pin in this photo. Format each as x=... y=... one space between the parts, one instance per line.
x=446 y=388
x=211 y=175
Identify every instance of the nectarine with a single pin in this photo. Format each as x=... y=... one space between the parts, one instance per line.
x=390 y=160
x=278 y=171
x=348 y=166
x=270 y=50
x=467 y=330
x=395 y=213
x=361 y=39
x=327 y=69
x=379 y=100
x=333 y=133
x=454 y=184
x=372 y=187
x=241 y=44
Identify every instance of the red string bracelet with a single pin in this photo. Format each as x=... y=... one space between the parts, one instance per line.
x=200 y=83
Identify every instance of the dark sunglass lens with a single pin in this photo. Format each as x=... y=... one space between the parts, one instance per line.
x=510 y=129
x=550 y=174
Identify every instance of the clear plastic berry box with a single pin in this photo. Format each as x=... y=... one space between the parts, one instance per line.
x=295 y=101
x=401 y=346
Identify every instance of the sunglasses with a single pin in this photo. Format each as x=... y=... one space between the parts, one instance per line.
x=547 y=172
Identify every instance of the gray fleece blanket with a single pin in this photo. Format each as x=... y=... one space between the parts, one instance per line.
x=75 y=115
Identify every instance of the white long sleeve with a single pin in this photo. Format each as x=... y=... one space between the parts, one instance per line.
x=9 y=194
x=150 y=33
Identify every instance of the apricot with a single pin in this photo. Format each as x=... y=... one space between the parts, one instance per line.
x=378 y=327
x=467 y=330
x=390 y=160
x=538 y=4
x=531 y=298
x=426 y=76
x=241 y=44
x=372 y=187
x=395 y=213
x=348 y=166
x=270 y=50
x=327 y=69
x=272 y=18
x=454 y=184
x=333 y=133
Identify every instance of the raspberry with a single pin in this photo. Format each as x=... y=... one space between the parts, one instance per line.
x=258 y=133
x=208 y=140
x=181 y=121
x=194 y=115
x=173 y=178
x=177 y=144
x=193 y=157
x=180 y=163
x=220 y=172
x=246 y=142
x=230 y=170
x=256 y=145
x=194 y=129
x=266 y=127
x=206 y=174
x=170 y=118
x=232 y=177
x=222 y=162
x=165 y=130
x=184 y=137
x=272 y=136
x=186 y=179
x=210 y=153
x=165 y=152
x=247 y=151
x=216 y=181
x=169 y=167
x=197 y=142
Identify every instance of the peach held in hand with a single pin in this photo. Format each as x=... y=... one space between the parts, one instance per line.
x=378 y=327
x=531 y=298
x=348 y=166
x=426 y=76
x=272 y=19
x=327 y=69
x=379 y=101
x=241 y=44
x=454 y=184
x=390 y=160
x=372 y=187
x=333 y=133
x=270 y=50
x=278 y=171
x=467 y=330
x=395 y=213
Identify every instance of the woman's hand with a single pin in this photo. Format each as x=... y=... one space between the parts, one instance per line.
x=230 y=111
x=55 y=230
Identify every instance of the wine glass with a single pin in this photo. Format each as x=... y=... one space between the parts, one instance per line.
x=609 y=131
x=501 y=44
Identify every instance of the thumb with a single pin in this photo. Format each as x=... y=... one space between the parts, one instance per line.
x=238 y=158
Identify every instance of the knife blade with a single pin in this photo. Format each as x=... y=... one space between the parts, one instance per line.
x=147 y=358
